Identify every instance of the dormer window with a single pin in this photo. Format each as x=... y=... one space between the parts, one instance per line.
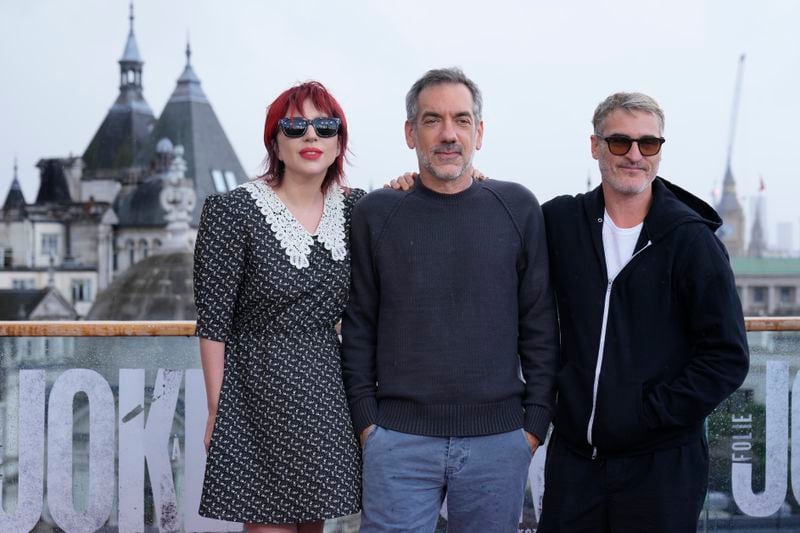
x=219 y=181
x=224 y=180
x=230 y=180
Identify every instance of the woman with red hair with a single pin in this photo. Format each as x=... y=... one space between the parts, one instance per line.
x=271 y=275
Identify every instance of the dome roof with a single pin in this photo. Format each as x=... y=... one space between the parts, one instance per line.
x=156 y=288
x=164 y=146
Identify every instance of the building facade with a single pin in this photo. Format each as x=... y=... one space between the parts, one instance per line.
x=768 y=286
x=97 y=215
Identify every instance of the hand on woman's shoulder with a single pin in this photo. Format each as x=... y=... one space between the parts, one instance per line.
x=354 y=193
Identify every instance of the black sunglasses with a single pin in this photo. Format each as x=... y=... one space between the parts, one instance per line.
x=296 y=126
x=621 y=144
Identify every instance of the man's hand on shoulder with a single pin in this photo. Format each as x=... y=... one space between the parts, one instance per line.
x=402 y=183
x=406 y=181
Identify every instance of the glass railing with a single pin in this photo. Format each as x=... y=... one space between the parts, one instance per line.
x=754 y=438
x=101 y=427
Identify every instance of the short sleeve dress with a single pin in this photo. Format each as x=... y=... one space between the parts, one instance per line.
x=283 y=448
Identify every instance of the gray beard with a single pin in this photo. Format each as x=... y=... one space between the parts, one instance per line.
x=426 y=163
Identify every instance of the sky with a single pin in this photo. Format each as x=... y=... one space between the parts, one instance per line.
x=542 y=66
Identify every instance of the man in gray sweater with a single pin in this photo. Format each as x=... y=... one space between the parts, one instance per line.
x=450 y=337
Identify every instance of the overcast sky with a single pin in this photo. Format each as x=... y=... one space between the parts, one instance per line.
x=542 y=67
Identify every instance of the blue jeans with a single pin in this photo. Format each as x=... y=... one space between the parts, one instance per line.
x=406 y=478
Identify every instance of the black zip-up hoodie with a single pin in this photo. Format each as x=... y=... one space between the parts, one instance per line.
x=647 y=355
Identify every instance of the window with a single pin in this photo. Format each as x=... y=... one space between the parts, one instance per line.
x=759 y=295
x=230 y=180
x=144 y=249
x=50 y=244
x=6 y=256
x=224 y=181
x=219 y=182
x=23 y=283
x=81 y=290
x=129 y=246
x=786 y=295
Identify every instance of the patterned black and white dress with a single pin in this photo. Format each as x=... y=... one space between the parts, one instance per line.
x=283 y=448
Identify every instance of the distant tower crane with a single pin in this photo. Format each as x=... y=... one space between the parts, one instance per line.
x=735 y=110
x=732 y=231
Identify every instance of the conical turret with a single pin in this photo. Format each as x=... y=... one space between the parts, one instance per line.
x=188 y=120
x=111 y=152
x=14 y=206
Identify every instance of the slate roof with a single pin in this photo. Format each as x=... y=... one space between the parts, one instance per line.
x=20 y=304
x=113 y=148
x=14 y=206
x=121 y=135
x=131 y=52
x=189 y=120
x=15 y=200
x=53 y=187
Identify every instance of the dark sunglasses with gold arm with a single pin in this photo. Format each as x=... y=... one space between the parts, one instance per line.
x=621 y=144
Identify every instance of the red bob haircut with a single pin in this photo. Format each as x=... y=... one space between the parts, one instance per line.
x=291 y=101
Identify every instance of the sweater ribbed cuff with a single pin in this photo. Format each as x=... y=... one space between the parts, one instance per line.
x=364 y=413
x=537 y=421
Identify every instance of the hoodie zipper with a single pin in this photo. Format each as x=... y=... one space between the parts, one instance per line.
x=601 y=352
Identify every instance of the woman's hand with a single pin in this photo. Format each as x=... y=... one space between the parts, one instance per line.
x=212 y=417
x=212 y=357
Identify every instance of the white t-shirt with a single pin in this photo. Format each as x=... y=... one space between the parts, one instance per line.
x=618 y=244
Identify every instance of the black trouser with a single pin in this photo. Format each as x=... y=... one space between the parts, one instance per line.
x=662 y=491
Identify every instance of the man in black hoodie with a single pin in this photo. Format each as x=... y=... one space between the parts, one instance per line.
x=652 y=335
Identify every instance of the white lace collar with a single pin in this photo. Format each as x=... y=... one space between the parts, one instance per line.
x=292 y=236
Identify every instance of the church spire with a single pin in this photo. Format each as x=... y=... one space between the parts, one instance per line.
x=188 y=88
x=15 y=199
x=130 y=64
x=758 y=237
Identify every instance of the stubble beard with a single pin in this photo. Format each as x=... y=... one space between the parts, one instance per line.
x=440 y=174
x=619 y=186
x=625 y=186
